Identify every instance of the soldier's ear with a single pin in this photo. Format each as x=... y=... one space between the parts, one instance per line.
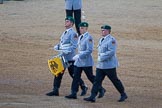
x=109 y=31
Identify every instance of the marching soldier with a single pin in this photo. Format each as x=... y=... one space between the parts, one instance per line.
x=68 y=45
x=83 y=61
x=106 y=65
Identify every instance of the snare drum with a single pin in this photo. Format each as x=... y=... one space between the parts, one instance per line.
x=57 y=65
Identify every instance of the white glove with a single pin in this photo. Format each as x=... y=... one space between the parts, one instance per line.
x=99 y=59
x=76 y=57
x=65 y=51
x=65 y=46
x=56 y=47
x=102 y=54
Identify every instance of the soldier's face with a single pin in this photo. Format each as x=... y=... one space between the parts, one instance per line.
x=104 y=32
x=68 y=23
x=83 y=30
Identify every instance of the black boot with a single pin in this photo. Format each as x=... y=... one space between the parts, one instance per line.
x=90 y=99
x=55 y=92
x=101 y=93
x=123 y=97
x=71 y=96
x=84 y=90
x=52 y=93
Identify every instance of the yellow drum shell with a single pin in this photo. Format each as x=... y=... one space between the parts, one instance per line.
x=56 y=65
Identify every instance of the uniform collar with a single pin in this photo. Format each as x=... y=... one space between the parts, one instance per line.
x=106 y=36
x=84 y=34
x=68 y=29
x=103 y=38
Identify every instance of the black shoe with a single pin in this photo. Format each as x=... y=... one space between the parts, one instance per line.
x=84 y=91
x=71 y=96
x=53 y=93
x=101 y=93
x=90 y=99
x=123 y=97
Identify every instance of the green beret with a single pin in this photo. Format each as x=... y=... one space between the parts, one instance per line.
x=83 y=24
x=70 y=19
x=107 y=27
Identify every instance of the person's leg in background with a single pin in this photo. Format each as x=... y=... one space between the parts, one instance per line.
x=69 y=13
x=77 y=17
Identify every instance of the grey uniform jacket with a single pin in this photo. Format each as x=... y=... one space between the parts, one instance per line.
x=107 y=53
x=85 y=48
x=68 y=42
x=75 y=4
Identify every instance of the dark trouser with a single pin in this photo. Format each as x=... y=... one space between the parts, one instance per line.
x=77 y=75
x=1 y=1
x=77 y=17
x=112 y=75
x=57 y=80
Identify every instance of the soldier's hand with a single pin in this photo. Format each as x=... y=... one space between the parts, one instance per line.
x=56 y=47
x=65 y=51
x=76 y=57
x=99 y=59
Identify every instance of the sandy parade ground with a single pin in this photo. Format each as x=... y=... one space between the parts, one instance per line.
x=30 y=28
